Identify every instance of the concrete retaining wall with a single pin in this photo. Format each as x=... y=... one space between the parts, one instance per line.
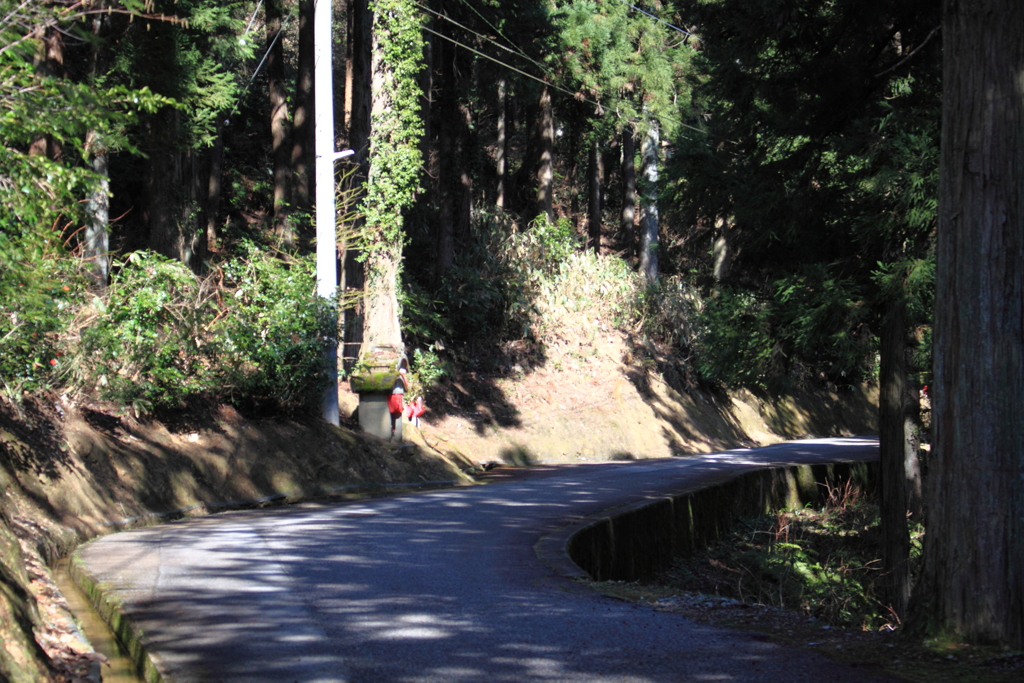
x=639 y=541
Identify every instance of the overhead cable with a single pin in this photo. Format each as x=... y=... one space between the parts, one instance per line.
x=574 y=95
x=657 y=18
x=514 y=49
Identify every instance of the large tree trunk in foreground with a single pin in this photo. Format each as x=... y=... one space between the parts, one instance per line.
x=395 y=163
x=973 y=581
x=381 y=324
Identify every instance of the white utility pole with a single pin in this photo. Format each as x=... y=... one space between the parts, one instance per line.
x=326 y=222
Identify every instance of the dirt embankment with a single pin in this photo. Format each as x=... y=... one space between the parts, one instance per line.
x=599 y=398
x=72 y=471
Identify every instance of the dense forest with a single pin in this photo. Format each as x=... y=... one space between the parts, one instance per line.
x=752 y=185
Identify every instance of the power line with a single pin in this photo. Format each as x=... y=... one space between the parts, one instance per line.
x=514 y=49
x=657 y=18
x=496 y=30
x=574 y=95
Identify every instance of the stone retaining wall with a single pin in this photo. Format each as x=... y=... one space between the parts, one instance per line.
x=639 y=541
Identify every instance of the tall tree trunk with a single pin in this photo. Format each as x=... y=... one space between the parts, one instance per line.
x=97 y=230
x=211 y=209
x=97 y=235
x=500 y=169
x=912 y=462
x=427 y=87
x=721 y=251
x=303 y=145
x=595 y=173
x=381 y=324
x=361 y=40
x=394 y=164
x=350 y=67
x=972 y=585
x=174 y=197
x=627 y=222
x=466 y=142
x=892 y=441
x=359 y=104
x=49 y=62
x=278 y=122
x=546 y=170
x=448 y=106
x=649 y=203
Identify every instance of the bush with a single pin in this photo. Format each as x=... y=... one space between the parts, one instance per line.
x=492 y=289
x=40 y=288
x=734 y=345
x=597 y=287
x=823 y=563
x=273 y=343
x=164 y=337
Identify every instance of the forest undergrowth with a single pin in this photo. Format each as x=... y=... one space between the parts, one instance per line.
x=810 y=578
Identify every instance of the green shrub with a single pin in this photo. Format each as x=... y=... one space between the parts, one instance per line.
x=164 y=336
x=488 y=292
x=40 y=287
x=584 y=284
x=734 y=345
x=148 y=345
x=272 y=344
x=427 y=369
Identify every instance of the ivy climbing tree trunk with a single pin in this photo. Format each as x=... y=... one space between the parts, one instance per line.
x=395 y=131
x=972 y=585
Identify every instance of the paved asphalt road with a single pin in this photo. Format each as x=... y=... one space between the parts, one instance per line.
x=441 y=586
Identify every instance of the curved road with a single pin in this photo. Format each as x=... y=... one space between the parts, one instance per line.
x=442 y=586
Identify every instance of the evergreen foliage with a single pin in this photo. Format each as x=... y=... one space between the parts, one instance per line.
x=825 y=138
x=629 y=65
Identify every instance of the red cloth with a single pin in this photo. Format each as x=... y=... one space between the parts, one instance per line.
x=415 y=409
x=396 y=403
